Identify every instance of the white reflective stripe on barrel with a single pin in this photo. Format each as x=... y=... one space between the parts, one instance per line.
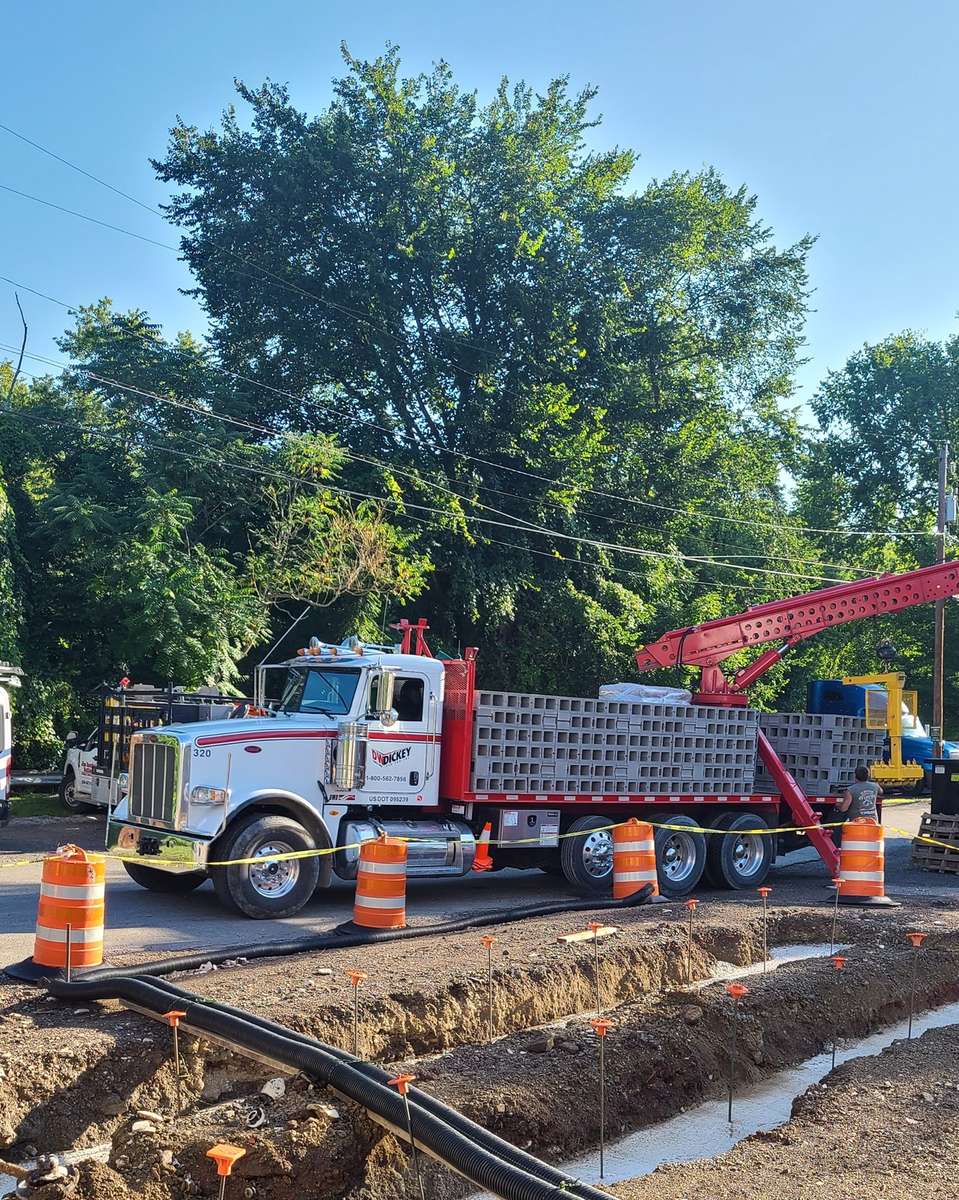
x=632 y=847
x=93 y=933
x=380 y=901
x=378 y=868
x=635 y=876
x=861 y=876
x=72 y=891
x=870 y=847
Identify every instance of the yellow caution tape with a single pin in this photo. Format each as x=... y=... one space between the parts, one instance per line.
x=322 y=851
x=319 y=852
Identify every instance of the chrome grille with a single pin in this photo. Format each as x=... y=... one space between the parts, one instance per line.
x=153 y=780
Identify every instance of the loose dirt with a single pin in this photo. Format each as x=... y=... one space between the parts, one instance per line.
x=85 y=1073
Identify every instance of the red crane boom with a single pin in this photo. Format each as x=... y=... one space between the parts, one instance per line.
x=789 y=622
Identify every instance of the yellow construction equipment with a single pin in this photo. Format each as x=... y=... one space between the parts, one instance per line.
x=886 y=697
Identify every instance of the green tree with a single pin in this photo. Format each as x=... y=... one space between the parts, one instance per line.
x=140 y=524
x=499 y=331
x=873 y=465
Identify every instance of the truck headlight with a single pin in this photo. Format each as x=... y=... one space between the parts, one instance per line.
x=954 y=753
x=208 y=795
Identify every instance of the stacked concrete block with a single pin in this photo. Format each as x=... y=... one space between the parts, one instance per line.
x=571 y=745
x=820 y=751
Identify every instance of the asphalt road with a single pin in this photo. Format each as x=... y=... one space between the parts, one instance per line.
x=141 y=921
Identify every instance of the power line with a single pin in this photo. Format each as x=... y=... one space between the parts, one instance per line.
x=689 y=515
x=527 y=528
x=364 y=320
x=262 y=472
x=150 y=339
x=152 y=208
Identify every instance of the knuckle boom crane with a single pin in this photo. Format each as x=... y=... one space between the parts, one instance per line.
x=789 y=622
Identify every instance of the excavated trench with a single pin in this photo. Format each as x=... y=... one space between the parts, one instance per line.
x=535 y=1084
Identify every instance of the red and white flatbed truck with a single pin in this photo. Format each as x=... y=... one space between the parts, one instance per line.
x=380 y=739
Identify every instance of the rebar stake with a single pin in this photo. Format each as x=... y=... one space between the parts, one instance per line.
x=737 y=991
x=837 y=884
x=487 y=939
x=917 y=939
x=402 y=1085
x=356 y=978
x=690 y=908
x=764 y=893
x=174 y=1017
x=838 y=961
x=601 y=1028
x=595 y=927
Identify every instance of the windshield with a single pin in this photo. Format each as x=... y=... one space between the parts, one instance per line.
x=912 y=724
x=315 y=690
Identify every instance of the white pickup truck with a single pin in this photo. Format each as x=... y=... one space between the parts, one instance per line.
x=90 y=778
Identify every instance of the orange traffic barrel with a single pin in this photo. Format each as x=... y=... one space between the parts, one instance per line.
x=634 y=858
x=380 y=901
x=70 y=915
x=861 y=863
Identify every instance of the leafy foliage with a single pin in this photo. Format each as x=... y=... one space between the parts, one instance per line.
x=504 y=336
x=453 y=357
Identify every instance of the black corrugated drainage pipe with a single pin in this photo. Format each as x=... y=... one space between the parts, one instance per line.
x=348 y=935
x=447 y=1140
x=490 y=1141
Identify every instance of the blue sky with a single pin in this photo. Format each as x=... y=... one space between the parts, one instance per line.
x=840 y=116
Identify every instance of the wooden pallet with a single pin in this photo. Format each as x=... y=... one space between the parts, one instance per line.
x=937 y=858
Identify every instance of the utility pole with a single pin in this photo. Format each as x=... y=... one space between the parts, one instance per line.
x=937 y=663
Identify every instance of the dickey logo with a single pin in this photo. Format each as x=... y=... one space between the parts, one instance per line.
x=394 y=756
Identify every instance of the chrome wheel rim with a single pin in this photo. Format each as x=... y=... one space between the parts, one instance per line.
x=598 y=853
x=748 y=854
x=272 y=879
x=678 y=857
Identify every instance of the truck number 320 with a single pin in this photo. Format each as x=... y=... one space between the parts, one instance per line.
x=199 y=752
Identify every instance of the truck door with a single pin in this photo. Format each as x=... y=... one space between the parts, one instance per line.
x=402 y=758
x=6 y=748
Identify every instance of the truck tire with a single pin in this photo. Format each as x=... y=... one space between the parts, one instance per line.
x=68 y=794
x=155 y=880
x=277 y=889
x=587 y=860
x=740 y=860
x=680 y=856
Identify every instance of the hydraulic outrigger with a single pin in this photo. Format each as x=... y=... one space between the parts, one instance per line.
x=789 y=622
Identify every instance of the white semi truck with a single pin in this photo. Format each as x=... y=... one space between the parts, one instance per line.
x=372 y=739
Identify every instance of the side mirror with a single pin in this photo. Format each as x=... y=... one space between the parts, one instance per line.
x=71 y=739
x=384 y=711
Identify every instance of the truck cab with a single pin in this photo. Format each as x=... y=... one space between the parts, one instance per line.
x=349 y=750
x=870 y=698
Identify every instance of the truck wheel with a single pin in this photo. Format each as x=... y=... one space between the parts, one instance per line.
x=587 y=859
x=68 y=794
x=680 y=856
x=267 y=889
x=739 y=859
x=155 y=880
